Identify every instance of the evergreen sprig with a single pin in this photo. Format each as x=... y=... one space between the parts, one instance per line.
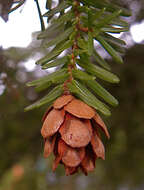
x=74 y=26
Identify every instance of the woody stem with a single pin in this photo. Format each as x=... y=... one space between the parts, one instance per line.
x=72 y=63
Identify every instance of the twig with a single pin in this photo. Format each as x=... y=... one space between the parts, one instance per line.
x=17 y=6
x=40 y=16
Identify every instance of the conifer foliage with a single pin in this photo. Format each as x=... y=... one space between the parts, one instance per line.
x=79 y=24
x=71 y=125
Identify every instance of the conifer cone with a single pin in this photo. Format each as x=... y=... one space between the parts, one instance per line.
x=70 y=131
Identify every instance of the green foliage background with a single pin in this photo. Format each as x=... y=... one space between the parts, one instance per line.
x=21 y=142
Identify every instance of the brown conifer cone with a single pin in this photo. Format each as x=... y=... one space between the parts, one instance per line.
x=70 y=129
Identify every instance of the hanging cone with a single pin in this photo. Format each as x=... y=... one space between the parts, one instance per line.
x=70 y=129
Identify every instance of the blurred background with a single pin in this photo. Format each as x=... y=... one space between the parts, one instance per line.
x=22 y=166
